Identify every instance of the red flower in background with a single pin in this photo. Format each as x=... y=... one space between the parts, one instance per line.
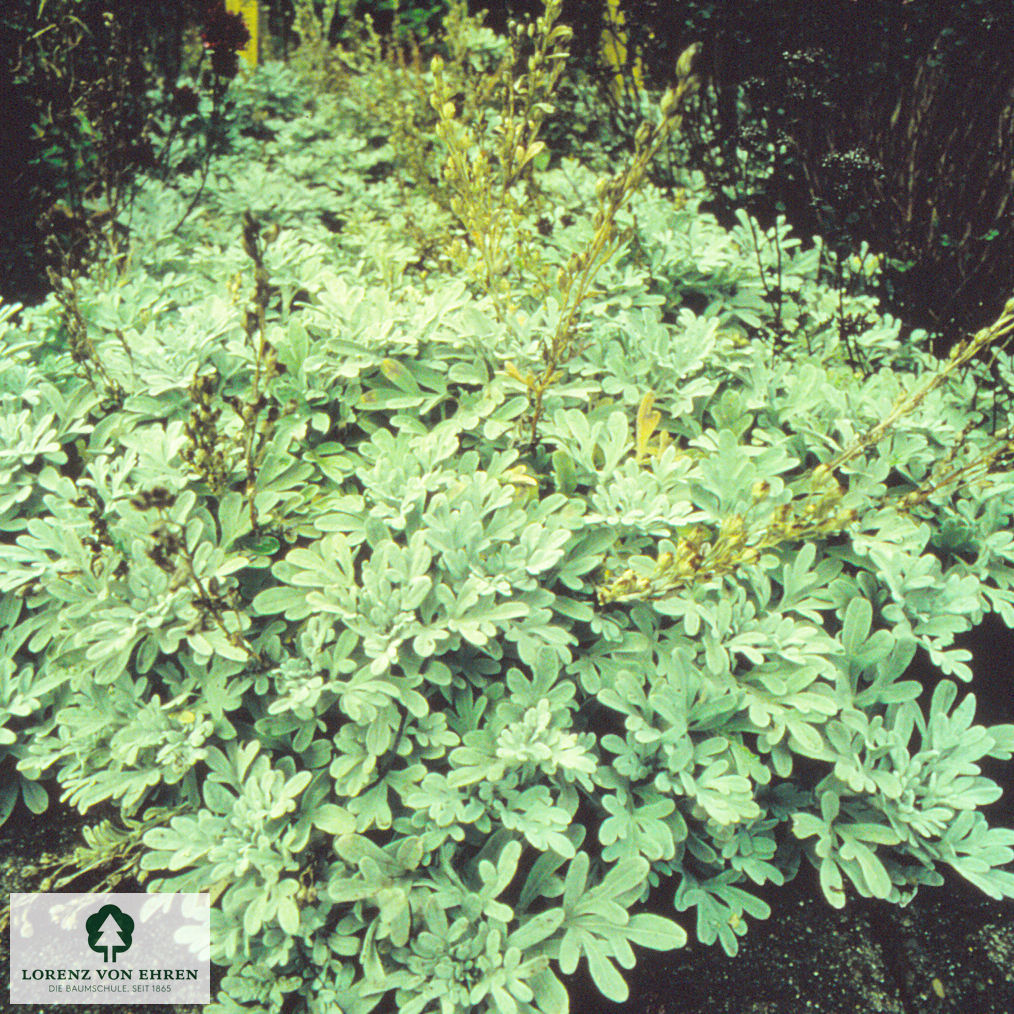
x=224 y=34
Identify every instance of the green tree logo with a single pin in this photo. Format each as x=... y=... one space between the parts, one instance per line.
x=109 y=931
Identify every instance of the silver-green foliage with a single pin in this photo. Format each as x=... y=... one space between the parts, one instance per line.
x=411 y=756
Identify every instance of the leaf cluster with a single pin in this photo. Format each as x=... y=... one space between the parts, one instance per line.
x=436 y=713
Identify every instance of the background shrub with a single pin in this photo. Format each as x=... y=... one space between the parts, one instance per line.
x=890 y=124
x=93 y=97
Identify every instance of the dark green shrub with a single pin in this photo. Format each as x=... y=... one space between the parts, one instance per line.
x=890 y=124
x=95 y=81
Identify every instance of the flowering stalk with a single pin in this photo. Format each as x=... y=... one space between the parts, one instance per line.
x=702 y=555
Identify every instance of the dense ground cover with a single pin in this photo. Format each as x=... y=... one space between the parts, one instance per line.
x=461 y=558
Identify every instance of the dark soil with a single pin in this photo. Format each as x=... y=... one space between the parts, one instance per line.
x=951 y=951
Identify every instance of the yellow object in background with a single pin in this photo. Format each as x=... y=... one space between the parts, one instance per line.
x=614 y=49
x=248 y=10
